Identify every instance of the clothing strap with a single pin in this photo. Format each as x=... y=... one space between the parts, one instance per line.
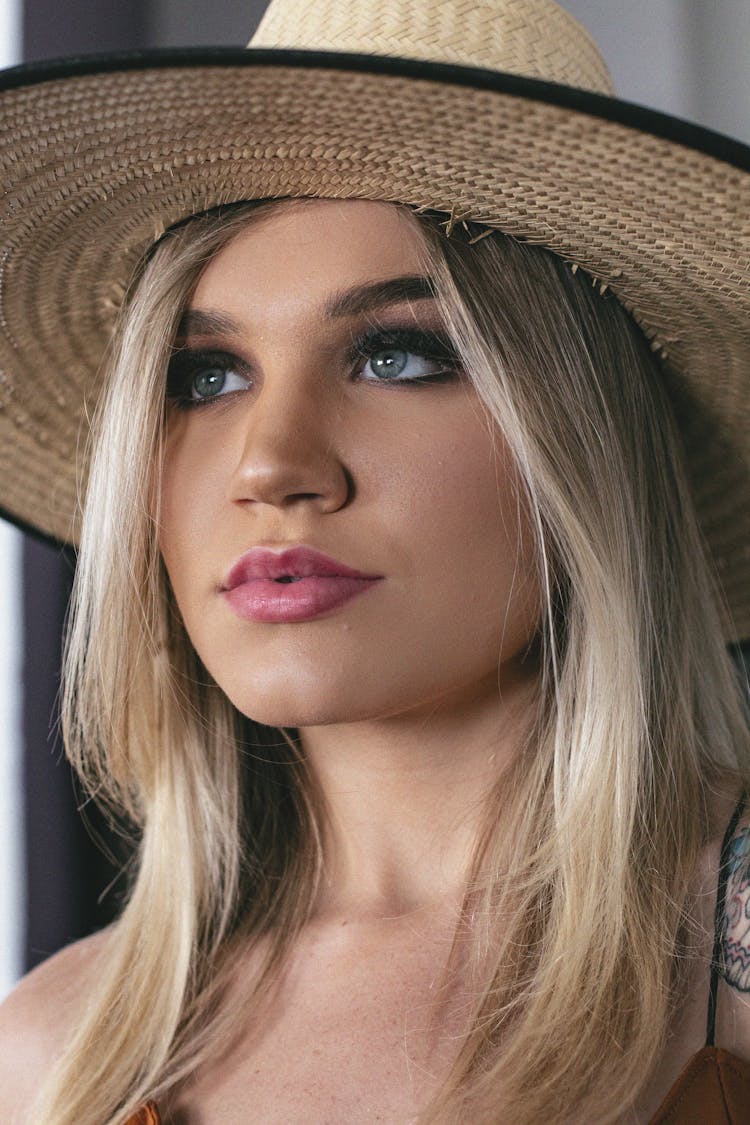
x=717 y=957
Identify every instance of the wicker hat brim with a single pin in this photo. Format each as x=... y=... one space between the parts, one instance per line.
x=100 y=155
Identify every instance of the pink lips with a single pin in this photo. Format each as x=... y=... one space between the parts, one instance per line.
x=254 y=591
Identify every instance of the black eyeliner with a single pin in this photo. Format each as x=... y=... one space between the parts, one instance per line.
x=436 y=346
x=427 y=343
x=186 y=362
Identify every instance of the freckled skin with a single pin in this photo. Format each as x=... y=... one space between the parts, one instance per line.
x=400 y=482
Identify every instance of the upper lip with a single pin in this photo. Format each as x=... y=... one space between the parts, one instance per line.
x=293 y=562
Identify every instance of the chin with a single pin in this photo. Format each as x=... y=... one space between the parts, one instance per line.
x=325 y=711
x=285 y=713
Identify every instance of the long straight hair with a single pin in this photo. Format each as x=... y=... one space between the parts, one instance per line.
x=576 y=925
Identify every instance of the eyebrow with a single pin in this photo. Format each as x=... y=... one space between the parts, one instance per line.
x=348 y=302
x=353 y=302
x=200 y=322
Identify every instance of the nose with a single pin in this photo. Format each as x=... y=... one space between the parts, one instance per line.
x=287 y=448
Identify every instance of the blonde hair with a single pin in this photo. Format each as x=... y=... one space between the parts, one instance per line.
x=577 y=906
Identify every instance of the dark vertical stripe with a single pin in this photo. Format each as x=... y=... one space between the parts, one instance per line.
x=55 y=850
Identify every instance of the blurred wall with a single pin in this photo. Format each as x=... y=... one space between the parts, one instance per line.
x=72 y=27
x=720 y=65
x=182 y=23
x=687 y=57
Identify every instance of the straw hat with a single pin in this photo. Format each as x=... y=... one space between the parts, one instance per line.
x=500 y=111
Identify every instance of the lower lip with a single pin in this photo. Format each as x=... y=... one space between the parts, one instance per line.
x=262 y=599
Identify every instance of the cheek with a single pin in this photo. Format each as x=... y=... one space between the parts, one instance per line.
x=478 y=537
x=193 y=484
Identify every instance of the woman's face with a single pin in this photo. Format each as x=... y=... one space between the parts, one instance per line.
x=290 y=423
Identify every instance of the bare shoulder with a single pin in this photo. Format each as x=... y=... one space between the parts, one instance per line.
x=36 y=1020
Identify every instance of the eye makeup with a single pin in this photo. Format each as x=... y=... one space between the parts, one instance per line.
x=198 y=376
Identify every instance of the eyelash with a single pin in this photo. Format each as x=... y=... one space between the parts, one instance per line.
x=430 y=345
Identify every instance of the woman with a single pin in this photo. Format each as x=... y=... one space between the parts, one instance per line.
x=437 y=821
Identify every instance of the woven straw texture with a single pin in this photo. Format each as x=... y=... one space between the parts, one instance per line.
x=530 y=37
x=96 y=167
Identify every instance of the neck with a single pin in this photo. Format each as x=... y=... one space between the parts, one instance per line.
x=405 y=796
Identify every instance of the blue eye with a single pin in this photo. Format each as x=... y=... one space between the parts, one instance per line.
x=409 y=355
x=399 y=363
x=406 y=355
x=195 y=377
x=215 y=381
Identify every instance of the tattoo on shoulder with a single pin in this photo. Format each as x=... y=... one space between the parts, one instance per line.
x=735 y=967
